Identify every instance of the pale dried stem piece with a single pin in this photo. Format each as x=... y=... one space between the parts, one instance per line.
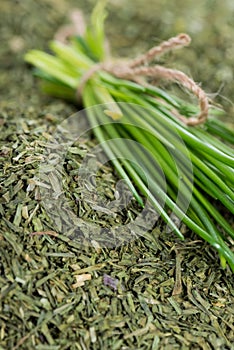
x=42 y=233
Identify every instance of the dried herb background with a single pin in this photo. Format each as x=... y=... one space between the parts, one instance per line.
x=169 y=295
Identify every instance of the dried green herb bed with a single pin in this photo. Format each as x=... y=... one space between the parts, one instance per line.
x=39 y=308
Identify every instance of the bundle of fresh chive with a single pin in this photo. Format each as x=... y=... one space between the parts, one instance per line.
x=209 y=148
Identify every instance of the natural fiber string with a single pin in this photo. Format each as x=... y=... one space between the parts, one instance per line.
x=177 y=42
x=139 y=67
x=77 y=27
x=172 y=75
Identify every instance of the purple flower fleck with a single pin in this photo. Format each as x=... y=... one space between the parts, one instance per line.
x=110 y=282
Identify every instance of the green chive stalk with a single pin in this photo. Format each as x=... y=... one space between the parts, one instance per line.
x=209 y=147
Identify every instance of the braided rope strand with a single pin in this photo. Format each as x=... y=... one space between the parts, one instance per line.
x=173 y=43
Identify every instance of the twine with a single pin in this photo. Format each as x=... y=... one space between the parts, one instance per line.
x=139 y=67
